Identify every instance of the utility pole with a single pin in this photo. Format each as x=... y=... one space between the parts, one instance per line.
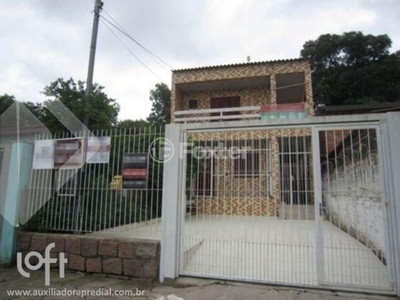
x=89 y=82
x=98 y=5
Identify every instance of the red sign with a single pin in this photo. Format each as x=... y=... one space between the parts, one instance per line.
x=134 y=173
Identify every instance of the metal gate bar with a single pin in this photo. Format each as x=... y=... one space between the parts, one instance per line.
x=253 y=216
x=91 y=198
x=239 y=230
x=352 y=200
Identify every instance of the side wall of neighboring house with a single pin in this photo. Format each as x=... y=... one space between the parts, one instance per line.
x=353 y=200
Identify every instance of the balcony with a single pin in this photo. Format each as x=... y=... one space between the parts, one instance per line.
x=265 y=112
x=218 y=114
x=284 y=111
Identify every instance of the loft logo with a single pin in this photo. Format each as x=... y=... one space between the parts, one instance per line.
x=46 y=260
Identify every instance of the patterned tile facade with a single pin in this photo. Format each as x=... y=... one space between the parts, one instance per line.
x=250 y=95
x=235 y=195
x=236 y=206
x=263 y=187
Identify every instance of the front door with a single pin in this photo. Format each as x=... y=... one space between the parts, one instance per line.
x=205 y=177
x=295 y=170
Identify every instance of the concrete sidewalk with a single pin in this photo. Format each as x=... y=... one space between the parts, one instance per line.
x=184 y=288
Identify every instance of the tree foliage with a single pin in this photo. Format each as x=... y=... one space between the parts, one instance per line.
x=160 y=97
x=353 y=68
x=5 y=102
x=132 y=123
x=101 y=110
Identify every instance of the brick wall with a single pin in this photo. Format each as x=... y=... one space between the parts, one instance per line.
x=236 y=206
x=249 y=96
x=126 y=257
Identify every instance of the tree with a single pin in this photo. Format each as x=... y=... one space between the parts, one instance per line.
x=102 y=110
x=160 y=97
x=5 y=102
x=132 y=123
x=353 y=68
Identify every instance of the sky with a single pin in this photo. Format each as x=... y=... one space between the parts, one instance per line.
x=42 y=40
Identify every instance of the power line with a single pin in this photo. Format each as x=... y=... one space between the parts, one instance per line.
x=123 y=31
x=129 y=50
x=151 y=54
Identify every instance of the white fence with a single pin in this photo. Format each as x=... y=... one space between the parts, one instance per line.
x=85 y=198
x=308 y=204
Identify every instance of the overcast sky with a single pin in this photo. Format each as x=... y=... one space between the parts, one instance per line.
x=42 y=40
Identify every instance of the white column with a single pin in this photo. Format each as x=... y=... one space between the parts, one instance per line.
x=170 y=238
x=391 y=172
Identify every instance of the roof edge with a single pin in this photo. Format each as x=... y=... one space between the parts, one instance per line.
x=241 y=64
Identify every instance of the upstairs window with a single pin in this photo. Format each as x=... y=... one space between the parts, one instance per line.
x=290 y=88
x=225 y=102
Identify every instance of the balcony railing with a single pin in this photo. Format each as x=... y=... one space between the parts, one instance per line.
x=218 y=114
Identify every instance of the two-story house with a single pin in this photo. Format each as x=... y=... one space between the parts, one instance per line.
x=272 y=166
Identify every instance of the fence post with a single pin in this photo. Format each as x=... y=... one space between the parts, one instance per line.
x=170 y=208
x=391 y=143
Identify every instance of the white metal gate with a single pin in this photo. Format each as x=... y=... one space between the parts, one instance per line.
x=352 y=201
x=293 y=205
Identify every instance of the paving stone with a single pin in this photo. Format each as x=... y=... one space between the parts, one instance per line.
x=191 y=281
x=147 y=250
x=150 y=269
x=93 y=265
x=112 y=266
x=38 y=243
x=132 y=268
x=126 y=249
x=108 y=248
x=235 y=292
x=11 y=279
x=76 y=262
x=59 y=243
x=89 y=248
x=209 y=292
x=24 y=241
x=73 y=245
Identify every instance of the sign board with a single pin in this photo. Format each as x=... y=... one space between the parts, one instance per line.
x=43 y=155
x=67 y=153
x=135 y=170
x=102 y=145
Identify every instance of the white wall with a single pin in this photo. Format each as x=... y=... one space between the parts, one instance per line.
x=352 y=196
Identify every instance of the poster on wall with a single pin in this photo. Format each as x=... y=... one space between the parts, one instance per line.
x=102 y=155
x=43 y=157
x=135 y=170
x=67 y=153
